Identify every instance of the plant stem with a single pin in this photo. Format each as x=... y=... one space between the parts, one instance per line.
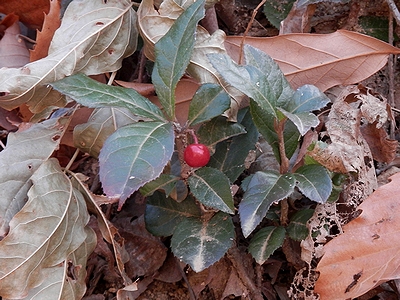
x=279 y=127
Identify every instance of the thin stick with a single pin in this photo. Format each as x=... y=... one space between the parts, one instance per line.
x=391 y=76
x=253 y=16
x=395 y=10
x=71 y=161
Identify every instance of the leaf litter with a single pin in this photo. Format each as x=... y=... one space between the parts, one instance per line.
x=353 y=149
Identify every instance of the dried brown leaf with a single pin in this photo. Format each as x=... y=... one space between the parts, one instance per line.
x=30 y=12
x=13 y=51
x=43 y=38
x=325 y=60
x=367 y=253
x=382 y=147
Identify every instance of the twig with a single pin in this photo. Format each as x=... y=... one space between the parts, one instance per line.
x=391 y=76
x=394 y=10
x=253 y=16
x=237 y=261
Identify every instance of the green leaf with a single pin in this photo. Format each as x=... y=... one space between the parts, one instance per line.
x=230 y=155
x=307 y=98
x=276 y=88
x=262 y=190
x=164 y=214
x=165 y=182
x=277 y=10
x=173 y=52
x=92 y=93
x=265 y=242
x=297 y=228
x=304 y=121
x=209 y=101
x=211 y=187
x=266 y=127
x=134 y=155
x=268 y=86
x=202 y=242
x=218 y=130
x=314 y=182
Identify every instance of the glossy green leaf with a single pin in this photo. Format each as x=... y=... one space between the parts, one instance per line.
x=209 y=101
x=304 y=121
x=164 y=182
x=307 y=98
x=265 y=242
x=173 y=52
x=266 y=127
x=297 y=228
x=164 y=214
x=211 y=187
x=314 y=182
x=134 y=155
x=201 y=242
x=230 y=155
x=92 y=93
x=262 y=190
x=218 y=130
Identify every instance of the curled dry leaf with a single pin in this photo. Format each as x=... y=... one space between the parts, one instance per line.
x=44 y=237
x=13 y=51
x=93 y=38
x=324 y=60
x=31 y=12
x=43 y=38
x=367 y=253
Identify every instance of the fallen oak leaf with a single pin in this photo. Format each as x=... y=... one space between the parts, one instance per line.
x=367 y=253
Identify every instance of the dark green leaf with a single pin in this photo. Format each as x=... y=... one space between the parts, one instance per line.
x=265 y=125
x=165 y=182
x=304 y=121
x=307 y=98
x=209 y=101
x=297 y=228
x=134 y=155
x=217 y=130
x=91 y=93
x=201 y=242
x=265 y=242
x=277 y=10
x=173 y=52
x=211 y=187
x=164 y=214
x=262 y=190
x=267 y=86
x=314 y=182
x=230 y=155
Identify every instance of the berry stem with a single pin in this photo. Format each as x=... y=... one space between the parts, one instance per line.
x=195 y=139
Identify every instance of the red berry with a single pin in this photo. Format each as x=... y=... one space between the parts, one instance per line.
x=196 y=155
